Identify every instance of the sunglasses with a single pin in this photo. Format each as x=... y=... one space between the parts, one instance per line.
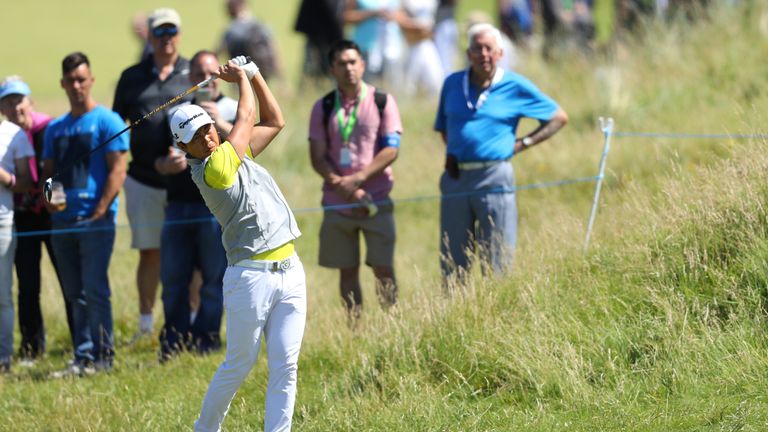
x=165 y=31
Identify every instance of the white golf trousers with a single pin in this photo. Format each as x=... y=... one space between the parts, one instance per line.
x=260 y=302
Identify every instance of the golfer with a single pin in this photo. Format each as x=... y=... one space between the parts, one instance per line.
x=264 y=284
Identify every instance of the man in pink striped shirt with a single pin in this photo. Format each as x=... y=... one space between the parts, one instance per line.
x=354 y=137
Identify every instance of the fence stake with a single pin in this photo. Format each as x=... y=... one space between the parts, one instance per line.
x=606 y=125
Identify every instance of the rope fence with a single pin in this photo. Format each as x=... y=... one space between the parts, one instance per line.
x=606 y=126
x=324 y=208
x=686 y=135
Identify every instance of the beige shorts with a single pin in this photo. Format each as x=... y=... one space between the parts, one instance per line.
x=145 y=206
x=340 y=239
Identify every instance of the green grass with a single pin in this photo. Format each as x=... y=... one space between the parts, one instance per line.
x=661 y=326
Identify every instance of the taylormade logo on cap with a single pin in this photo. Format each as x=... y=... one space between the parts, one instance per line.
x=187 y=120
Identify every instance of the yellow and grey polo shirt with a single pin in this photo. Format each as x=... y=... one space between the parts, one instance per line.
x=253 y=213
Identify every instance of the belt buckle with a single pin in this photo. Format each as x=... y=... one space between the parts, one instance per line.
x=281 y=265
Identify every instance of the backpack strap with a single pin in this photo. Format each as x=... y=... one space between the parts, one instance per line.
x=329 y=100
x=380 y=98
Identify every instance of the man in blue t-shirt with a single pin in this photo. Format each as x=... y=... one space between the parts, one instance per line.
x=479 y=111
x=91 y=183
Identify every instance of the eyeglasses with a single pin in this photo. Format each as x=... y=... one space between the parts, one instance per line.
x=165 y=31
x=481 y=49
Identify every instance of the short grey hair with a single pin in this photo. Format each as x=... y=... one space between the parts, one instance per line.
x=482 y=28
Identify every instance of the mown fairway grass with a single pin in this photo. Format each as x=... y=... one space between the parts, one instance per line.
x=661 y=326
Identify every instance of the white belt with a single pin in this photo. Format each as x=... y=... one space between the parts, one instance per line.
x=272 y=266
x=479 y=165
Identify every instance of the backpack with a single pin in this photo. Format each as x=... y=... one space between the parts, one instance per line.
x=329 y=100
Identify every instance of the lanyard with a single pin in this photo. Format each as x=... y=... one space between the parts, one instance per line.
x=497 y=76
x=346 y=127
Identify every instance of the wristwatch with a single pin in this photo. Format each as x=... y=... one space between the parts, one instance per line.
x=527 y=141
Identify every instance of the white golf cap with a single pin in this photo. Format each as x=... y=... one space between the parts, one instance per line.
x=187 y=120
x=162 y=16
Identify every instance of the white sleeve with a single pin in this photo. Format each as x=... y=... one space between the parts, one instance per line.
x=21 y=147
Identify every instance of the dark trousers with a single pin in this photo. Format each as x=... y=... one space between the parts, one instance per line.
x=83 y=257
x=184 y=247
x=27 y=261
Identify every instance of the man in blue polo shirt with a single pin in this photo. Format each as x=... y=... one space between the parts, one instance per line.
x=91 y=183
x=479 y=111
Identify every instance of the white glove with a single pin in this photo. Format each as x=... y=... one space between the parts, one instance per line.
x=248 y=66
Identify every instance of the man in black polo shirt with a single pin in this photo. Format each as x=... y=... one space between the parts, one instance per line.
x=191 y=238
x=142 y=88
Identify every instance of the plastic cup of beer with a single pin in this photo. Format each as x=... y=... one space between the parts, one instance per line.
x=58 y=196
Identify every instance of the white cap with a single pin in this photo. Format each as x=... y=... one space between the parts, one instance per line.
x=187 y=120
x=162 y=16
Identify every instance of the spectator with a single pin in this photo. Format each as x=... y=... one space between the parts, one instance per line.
x=631 y=13
x=510 y=60
x=141 y=89
x=689 y=9
x=185 y=246
x=265 y=286
x=15 y=153
x=91 y=182
x=378 y=36
x=30 y=215
x=568 y=24
x=354 y=136
x=477 y=117
x=516 y=18
x=580 y=23
x=140 y=28
x=447 y=34
x=248 y=36
x=423 y=69
x=320 y=21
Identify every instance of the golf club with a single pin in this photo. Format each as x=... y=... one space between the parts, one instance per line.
x=48 y=185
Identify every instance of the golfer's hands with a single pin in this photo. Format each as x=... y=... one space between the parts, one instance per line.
x=248 y=66
x=231 y=72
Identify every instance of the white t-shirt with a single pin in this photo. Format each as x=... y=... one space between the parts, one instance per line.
x=422 y=11
x=14 y=145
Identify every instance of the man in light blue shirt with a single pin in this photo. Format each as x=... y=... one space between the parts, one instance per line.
x=478 y=114
x=91 y=182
